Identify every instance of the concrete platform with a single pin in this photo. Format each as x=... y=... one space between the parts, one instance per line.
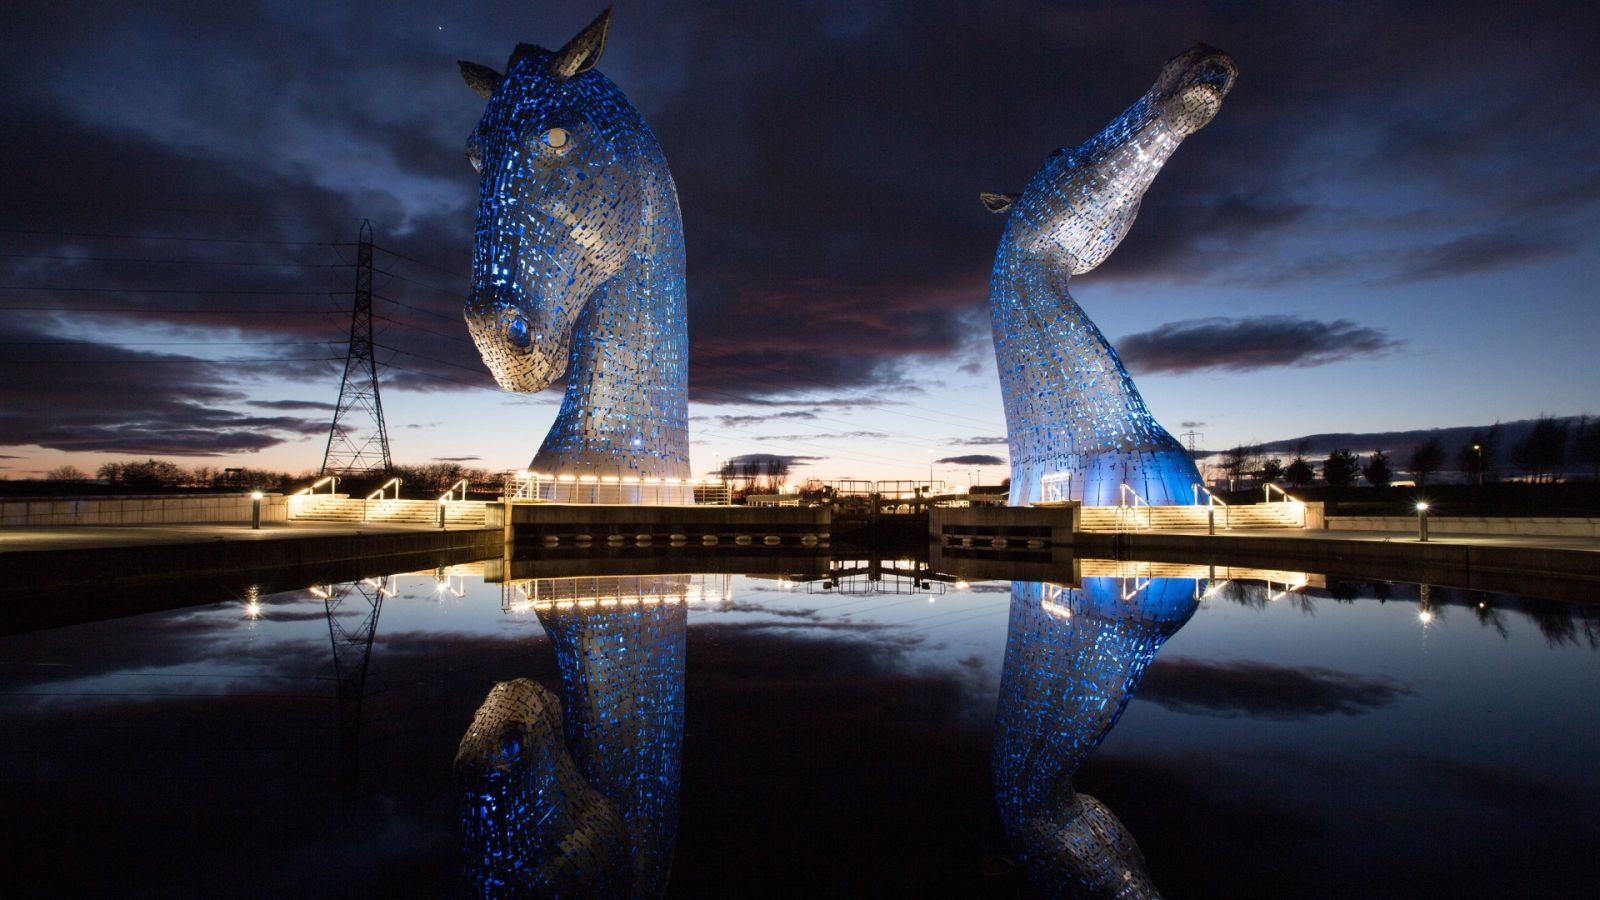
x=1565 y=568
x=32 y=558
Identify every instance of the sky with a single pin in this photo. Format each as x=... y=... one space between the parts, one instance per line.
x=1390 y=225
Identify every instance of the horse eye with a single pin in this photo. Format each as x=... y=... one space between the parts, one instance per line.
x=557 y=138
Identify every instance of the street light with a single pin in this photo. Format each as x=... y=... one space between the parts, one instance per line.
x=1422 y=521
x=930 y=473
x=255 y=509
x=1478 y=449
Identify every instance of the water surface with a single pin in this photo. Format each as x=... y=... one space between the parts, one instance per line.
x=738 y=734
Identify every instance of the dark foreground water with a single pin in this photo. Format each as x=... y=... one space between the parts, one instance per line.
x=713 y=735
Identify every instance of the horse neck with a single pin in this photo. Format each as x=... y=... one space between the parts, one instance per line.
x=1056 y=369
x=625 y=411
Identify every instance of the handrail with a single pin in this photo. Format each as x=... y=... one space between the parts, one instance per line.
x=1122 y=496
x=449 y=495
x=1269 y=487
x=379 y=493
x=1213 y=500
x=1055 y=487
x=331 y=480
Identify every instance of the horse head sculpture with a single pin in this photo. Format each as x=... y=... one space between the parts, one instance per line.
x=577 y=266
x=1071 y=406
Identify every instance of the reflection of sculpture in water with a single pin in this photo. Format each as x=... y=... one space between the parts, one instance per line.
x=586 y=807
x=1073 y=661
x=577 y=267
x=1071 y=407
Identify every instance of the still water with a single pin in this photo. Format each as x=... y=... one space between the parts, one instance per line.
x=883 y=733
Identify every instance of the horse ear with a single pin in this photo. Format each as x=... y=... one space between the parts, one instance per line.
x=997 y=203
x=482 y=79
x=583 y=51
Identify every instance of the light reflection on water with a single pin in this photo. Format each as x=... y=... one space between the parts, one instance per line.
x=1292 y=735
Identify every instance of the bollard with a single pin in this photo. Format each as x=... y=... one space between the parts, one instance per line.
x=441 y=514
x=1211 y=521
x=255 y=509
x=1422 y=521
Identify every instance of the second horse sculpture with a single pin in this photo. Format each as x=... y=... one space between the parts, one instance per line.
x=1073 y=416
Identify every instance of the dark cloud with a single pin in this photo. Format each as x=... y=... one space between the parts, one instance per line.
x=1243 y=345
x=293 y=404
x=765 y=463
x=1191 y=424
x=456 y=458
x=102 y=397
x=1263 y=690
x=975 y=459
x=1476 y=254
x=757 y=419
x=828 y=166
x=979 y=442
x=838 y=435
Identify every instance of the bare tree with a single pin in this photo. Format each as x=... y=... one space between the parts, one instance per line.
x=1426 y=459
x=1542 y=452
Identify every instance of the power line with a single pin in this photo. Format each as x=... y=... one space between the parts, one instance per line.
x=175 y=237
x=412 y=259
x=451 y=293
x=176 y=262
x=106 y=290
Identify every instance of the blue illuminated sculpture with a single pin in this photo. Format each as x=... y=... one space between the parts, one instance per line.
x=577 y=267
x=584 y=805
x=1074 y=658
x=1073 y=416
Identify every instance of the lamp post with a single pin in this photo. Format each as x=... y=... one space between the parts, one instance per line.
x=1478 y=449
x=930 y=473
x=1422 y=521
x=255 y=509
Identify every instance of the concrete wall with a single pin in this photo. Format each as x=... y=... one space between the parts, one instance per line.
x=154 y=509
x=1061 y=521
x=1442 y=525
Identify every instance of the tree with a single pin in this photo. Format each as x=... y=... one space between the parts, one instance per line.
x=1542 y=452
x=1377 y=471
x=1341 y=468
x=1426 y=459
x=1299 y=473
x=66 y=473
x=1271 y=470
x=1238 y=462
x=1586 y=445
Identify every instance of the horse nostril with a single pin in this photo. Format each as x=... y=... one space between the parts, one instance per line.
x=517 y=331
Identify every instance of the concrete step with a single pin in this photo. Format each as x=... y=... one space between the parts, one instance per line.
x=1158 y=518
x=393 y=512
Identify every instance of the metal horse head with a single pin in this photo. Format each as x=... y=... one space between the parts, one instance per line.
x=577 y=267
x=559 y=211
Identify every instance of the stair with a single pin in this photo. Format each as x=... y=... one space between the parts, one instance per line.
x=1187 y=518
x=355 y=511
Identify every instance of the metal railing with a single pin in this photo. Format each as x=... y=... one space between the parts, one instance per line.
x=381 y=494
x=332 y=481
x=450 y=495
x=632 y=490
x=1300 y=505
x=1123 y=492
x=1212 y=500
x=1055 y=487
x=1269 y=487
